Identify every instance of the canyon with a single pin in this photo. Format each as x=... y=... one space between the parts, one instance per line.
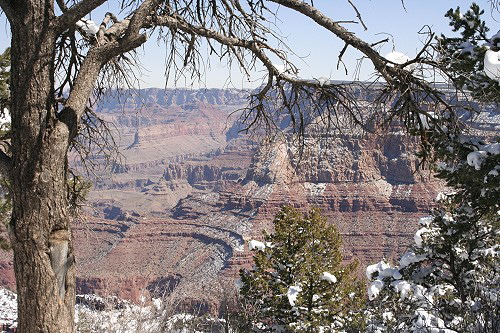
x=173 y=215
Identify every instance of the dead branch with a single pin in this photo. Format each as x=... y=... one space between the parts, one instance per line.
x=72 y=14
x=358 y=14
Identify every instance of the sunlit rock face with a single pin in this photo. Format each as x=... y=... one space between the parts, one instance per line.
x=174 y=214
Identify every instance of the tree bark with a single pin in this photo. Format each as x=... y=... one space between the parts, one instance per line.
x=40 y=234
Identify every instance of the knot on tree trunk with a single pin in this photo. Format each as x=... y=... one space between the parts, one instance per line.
x=60 y=257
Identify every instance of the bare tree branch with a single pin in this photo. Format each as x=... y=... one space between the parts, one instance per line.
x=348 y=37
x=6 y=6
x=62 y=5
x=89 y=71
x=403 y=4
x=342 y=52
x=358 y=14
x=73 y=14
x=140 y=16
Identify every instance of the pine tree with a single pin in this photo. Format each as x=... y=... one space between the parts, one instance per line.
x=464 y=56
x=448 y=281
x=298 y=282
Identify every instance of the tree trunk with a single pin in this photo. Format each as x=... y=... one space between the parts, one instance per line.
x=40 y=234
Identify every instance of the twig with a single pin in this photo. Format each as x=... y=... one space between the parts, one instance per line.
x=358 y=14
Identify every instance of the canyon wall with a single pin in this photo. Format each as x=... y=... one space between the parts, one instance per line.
x=173 y=215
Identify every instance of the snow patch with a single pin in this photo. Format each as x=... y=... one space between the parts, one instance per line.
x=293 y=293
x=409 y=258
x=418 y=236
x=402 y=287
x=88 y=26
x=476 y=158
x=8 y=308
x=374 y=289
x=315 y=188
x=376 y=268
x=256 y=245
x=399 y=58
x=5 y=117
x=328 y=277
x=426 y=120
x=492 y=65
x=322 y=80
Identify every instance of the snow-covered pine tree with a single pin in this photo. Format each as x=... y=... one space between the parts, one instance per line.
x=471 y=59
x=299 y=282
x=449 y=280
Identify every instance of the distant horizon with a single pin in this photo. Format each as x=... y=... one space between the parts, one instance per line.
x=437 y=83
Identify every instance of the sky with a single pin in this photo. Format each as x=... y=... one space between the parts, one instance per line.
x=316 y=50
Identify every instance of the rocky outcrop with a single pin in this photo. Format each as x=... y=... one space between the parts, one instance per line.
x=7 y=277
x=339 y=159
x=202 y=176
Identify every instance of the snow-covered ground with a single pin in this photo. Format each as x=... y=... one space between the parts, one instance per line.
x=114 y=316
x=8 y=308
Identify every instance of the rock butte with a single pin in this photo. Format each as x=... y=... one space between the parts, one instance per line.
x=174 y=216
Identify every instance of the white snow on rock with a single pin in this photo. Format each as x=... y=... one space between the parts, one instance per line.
x=315 y=188
x=128 y=318
x=87 y=26
x=293 y=293
x=492 y=65
x=8 y=308
x=328 y=277
x=254 y=244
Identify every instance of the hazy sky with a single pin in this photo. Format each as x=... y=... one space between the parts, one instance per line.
x=317 y=47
